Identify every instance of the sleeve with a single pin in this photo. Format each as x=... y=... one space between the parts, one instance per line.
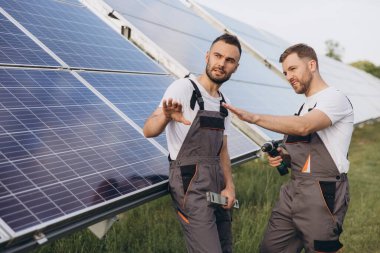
x=336 y=106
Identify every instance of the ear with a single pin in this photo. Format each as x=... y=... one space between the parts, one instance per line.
x=312 y=65
x=237 y=65
x=207 y=56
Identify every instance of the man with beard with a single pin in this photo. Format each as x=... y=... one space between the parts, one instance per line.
x=311 y=207
x=197 y=126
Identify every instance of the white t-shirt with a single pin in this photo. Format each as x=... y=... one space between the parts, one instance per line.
x=337 y=137
x=181 y=90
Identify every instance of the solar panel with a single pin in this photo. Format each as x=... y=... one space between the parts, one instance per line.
x=77 y=36
x=135 y=95
x=362 y=89
x=63 y=151
x=18 y=49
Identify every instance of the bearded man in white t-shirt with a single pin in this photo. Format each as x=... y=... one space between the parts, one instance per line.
x=312 y=205
x=197 y=126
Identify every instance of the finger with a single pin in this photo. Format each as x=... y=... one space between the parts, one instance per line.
x=185 y=121
x=170 y=102
x=164 y=105
x=175 y=104
x=231 y=108
x=179 y=108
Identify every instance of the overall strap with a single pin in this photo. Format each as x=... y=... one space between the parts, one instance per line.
x=300 y=110
x=223 y=111
x=196 y=97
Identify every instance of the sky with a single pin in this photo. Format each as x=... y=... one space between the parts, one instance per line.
x=354 y=24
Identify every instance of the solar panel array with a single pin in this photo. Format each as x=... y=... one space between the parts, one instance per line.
x=74 y=97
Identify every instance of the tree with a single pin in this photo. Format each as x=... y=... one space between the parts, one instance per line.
x=368 y=67
x=334 y=50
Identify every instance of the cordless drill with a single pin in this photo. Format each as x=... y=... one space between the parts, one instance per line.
x=270 y=147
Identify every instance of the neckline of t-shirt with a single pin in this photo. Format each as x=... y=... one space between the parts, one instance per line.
x=319 y=93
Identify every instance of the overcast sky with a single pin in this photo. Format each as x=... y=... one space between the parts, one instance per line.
x=355 y=24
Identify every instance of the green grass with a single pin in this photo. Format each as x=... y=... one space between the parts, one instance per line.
x=152 y=227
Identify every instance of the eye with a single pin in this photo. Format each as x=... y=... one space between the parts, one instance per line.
x=230 y=60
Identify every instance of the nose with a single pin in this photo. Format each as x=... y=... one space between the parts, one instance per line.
x=221 y=62
x=289 y=77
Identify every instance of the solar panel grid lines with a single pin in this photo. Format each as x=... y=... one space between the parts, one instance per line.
x=16 y=48
x=76 y=155
x=103 y=95
x=78 y=37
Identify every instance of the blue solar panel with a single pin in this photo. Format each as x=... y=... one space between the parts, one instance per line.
x=77 y=36
x=63 y=150
x=18 y=49
x=135 y=95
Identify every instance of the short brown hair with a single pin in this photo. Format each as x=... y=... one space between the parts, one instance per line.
x=302 y=51
x=229 y=39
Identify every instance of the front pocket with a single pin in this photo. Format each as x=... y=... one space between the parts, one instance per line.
x=187 y=174
x=328 y=190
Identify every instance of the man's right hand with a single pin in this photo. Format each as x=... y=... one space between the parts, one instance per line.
x=275 y=161
x=173 y=111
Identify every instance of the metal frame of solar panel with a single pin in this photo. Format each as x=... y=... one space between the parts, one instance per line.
x=186 y=36
x=68 y=158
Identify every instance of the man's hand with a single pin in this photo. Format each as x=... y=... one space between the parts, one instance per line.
x=275 y=161
x=173 y=111
x=229 y=193
x=242 y=114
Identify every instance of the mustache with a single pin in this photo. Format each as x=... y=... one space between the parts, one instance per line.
x=221 y=69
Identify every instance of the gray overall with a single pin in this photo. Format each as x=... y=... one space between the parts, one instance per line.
x=197 y=170
x=311 y=207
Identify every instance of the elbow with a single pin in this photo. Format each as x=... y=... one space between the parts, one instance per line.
x=147 y=133
x=304 y=131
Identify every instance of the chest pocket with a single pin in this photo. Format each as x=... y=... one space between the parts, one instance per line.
x=211 y=123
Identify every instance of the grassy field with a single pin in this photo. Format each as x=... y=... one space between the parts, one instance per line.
x=153 y=228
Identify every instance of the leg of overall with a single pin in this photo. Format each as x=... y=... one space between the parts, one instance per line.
x=322 y=207
x=200 y=231
x=197 y=218
x=224 y=224
x=281 y=234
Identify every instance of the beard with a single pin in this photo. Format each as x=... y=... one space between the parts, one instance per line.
x=217 y=80
x=304 y=82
